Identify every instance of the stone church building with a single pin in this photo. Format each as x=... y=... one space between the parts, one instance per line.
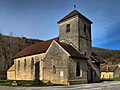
x=67 y=59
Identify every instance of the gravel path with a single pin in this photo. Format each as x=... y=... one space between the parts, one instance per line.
x=111 y=85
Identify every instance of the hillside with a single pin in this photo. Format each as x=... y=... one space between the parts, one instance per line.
x=9 y=46
x=111 y=56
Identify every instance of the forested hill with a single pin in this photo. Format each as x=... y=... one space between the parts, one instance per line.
x=10 y=45
x=111 y=56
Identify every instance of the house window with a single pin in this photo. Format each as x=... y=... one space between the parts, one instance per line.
x=78 y=69
x=32 y=63
x=68 y=28
x=54 y=69
x=25 y=64
x=85 y=29
x=18 y=66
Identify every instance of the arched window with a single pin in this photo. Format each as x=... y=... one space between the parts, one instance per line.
x=25 y=64
x=54 y=69
x=32 y=63
x=18 y=66
x=85 y=28
x=78 y=69
x=68 y=28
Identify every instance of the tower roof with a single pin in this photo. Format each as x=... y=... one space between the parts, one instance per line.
x=73 y=13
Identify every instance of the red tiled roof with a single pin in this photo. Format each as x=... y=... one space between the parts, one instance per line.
x=35 y=48
x=108 y=68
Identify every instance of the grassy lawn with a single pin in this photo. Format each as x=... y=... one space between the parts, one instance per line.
x=116 y=79
x=26 y=83
x=111 y=79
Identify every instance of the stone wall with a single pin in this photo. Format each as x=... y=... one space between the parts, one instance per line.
x=72 y=36
x=58 y=58
x=84 y=37
x=28 y=73
x=73 y=79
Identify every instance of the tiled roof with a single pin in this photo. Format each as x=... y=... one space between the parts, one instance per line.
x=73 y=13
x=35 y=48
x=108 y=68
x=71 y=50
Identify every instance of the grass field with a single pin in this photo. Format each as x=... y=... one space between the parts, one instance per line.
x=111 y=79
x=27 y=83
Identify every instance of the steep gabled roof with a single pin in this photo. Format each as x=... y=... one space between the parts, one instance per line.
x=108 y=68
x=73 y=13
x=71 y=50
x=35 y=48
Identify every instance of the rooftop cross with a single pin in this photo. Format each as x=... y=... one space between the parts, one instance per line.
x=74 y=6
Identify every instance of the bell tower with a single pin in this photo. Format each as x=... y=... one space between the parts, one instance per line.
x=75 y=29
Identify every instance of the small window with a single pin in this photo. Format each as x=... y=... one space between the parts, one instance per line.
x=68 y=28
x=85 y=29
x=18 y=66
x=32 y=63
x=54 y=69
x=25 y=64
x=85 y=53
x=78 y=69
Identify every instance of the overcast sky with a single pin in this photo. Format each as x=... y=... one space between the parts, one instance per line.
x=38 y=19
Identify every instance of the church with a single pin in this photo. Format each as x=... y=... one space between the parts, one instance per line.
x=67 y=59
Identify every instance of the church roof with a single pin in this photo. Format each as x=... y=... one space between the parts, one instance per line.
x=108 y=68
x=35 y=48
x=43 y=46
x=73 y=13
x=71 y=50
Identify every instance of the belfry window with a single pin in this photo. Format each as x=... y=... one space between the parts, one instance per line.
x=78 y=69
x=25 y=64
x=67 y=28
x=85 y=28
x=54 y=69
x=18 y=66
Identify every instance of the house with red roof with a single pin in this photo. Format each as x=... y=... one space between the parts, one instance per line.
x=67 y=59
x=110 y=71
